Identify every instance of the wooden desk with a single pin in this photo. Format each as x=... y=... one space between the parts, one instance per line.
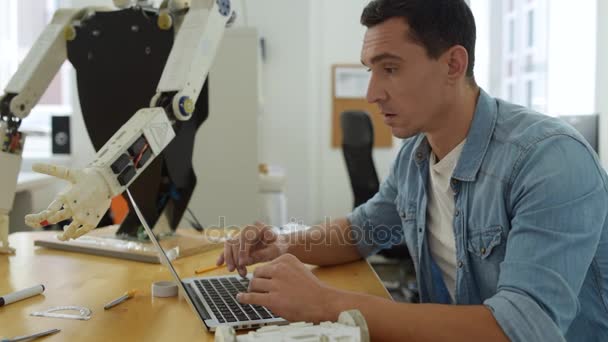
x=92 y=281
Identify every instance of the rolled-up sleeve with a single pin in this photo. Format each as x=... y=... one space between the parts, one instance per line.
x=376 y=224
x=559 y=202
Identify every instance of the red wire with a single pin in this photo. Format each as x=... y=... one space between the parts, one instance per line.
x=140 y=155
x=14 y=143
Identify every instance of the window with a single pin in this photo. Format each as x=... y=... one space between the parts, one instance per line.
x=527 y=55
x=524 y=68
x=531 y=28
x=21 y=22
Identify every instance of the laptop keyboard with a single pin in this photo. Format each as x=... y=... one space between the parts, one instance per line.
x=220 y=294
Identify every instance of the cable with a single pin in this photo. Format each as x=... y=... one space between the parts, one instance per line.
x=196 y=224
x=141 y=153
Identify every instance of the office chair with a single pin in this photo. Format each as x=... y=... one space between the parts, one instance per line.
x=357 y=146
x=357 y=143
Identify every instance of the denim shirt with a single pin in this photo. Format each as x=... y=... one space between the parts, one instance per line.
x=531 y=204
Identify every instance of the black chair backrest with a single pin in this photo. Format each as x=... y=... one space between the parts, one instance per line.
x=357 y=144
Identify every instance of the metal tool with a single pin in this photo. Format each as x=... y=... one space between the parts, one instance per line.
x=31 y=337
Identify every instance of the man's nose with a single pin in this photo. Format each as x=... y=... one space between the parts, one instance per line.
x=375 y=93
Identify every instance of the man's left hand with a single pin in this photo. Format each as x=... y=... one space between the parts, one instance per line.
x=289 y=289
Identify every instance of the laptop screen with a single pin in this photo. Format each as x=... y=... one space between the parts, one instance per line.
x=164 y=259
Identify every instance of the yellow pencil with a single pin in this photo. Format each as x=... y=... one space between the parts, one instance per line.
x=208 y=269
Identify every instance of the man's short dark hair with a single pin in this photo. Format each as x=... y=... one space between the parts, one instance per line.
x=435 y=24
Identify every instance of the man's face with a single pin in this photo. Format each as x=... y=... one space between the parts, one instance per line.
x=408 y=86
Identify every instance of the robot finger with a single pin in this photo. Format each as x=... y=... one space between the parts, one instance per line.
x=55 y=171
x=42 y=219
x=38 y=220
x=59 y=216
x=82 y=230
x=69 y=231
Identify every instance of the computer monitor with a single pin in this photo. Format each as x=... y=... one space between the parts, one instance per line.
x=587 y=126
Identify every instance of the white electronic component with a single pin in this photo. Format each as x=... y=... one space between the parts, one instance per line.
x=351 y=327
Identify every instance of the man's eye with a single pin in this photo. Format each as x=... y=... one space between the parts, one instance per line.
x=390 y=70
x=369 y=69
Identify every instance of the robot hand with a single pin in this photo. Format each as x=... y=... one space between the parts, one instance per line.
x=85 y=202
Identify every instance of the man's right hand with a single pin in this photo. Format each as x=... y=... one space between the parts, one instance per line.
x=254 y=244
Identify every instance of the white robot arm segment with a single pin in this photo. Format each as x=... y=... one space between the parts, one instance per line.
x=40 y=65
x=192 y=55
x=118 y=163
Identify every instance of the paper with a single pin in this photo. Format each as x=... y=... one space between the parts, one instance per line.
x=351 y=82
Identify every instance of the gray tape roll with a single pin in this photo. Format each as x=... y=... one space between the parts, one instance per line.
x=164 y=289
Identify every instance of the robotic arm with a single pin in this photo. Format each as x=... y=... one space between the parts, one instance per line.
x=132 y=148
x=21 y=94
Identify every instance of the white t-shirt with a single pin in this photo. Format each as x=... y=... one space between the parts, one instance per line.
x=440 y=215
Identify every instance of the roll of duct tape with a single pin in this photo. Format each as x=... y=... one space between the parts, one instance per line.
x=164 y=289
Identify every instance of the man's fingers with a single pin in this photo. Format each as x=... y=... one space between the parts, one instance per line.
x=248 y=238
x=260 y=285
x=242 y=271
x=228 y=255
x=220 y=260
x=55 y=171
x=240 y=268
x=254 y=298
x=261 y=255
x=266 y=271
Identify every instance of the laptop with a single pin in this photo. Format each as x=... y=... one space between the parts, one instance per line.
x=213 y=299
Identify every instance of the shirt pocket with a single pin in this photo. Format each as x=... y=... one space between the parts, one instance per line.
x=486 y=242
x=407 y=212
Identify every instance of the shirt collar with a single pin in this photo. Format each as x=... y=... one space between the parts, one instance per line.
x=477 y=141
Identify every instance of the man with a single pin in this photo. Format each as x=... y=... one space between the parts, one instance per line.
x=503 y=210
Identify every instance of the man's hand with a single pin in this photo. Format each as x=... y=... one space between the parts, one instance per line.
x=289 y=289
x=85 y=202
x=257 y=243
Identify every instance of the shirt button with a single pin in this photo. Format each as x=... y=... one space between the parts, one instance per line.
x=402 y=215
x=419 y=229
x=483 y=251
x=460 y=264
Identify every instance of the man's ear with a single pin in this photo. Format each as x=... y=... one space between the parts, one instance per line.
x=457 y=61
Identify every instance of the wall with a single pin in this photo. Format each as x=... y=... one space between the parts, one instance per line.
x=287 y=116
x=340 y=36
